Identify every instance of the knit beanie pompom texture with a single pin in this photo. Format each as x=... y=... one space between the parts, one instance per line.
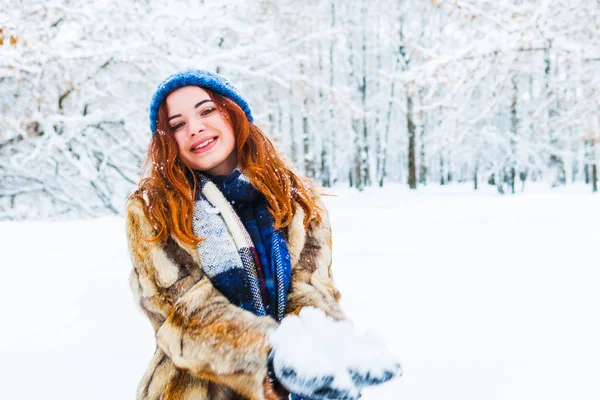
x=195 y=77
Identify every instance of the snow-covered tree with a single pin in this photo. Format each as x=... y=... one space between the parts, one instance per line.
x=358 y=93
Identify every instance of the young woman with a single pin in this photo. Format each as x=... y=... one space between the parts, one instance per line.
x=226 y=240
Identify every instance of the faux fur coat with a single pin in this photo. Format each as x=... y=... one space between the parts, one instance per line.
x=208 y=348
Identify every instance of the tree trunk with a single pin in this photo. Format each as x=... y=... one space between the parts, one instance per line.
x=307 y=154
x=594 y=178
x=331 y=177
x=475 y=178
x=294 y=147
x=556 y=161
x=412 y=165
x=514 y=123
x=364 y=142
x=442 y=171
x=594 y=167
x=422 y=160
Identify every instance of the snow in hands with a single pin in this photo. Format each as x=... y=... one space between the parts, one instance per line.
x=315 y=355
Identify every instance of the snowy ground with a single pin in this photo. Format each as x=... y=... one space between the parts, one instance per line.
x=482 y=297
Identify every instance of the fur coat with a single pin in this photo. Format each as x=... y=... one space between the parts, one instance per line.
x=208 y=348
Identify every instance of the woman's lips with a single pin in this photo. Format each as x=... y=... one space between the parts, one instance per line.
x=207 y=147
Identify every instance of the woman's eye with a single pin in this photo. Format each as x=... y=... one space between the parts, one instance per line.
x=208 y=111
x=176 y=127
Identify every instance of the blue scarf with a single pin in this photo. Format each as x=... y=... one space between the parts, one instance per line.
x=244 y=257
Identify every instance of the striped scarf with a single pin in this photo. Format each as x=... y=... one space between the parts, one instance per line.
x=255 y=279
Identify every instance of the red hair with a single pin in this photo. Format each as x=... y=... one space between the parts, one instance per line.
x=168 y=198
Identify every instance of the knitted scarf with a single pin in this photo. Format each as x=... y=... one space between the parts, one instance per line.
x=241 y=252
x=244 y=258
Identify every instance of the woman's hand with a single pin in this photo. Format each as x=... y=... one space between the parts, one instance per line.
x=322 y=358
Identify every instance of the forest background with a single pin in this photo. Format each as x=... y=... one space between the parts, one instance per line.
x=355 y=93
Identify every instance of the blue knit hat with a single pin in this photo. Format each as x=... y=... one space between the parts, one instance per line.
x=195 y=77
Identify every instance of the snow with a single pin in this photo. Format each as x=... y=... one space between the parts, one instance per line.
x=333 y=82
x=481 y=297
x=299 y=347
x=316 y=347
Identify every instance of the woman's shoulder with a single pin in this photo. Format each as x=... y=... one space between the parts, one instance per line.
x=319 y=217
x=135 y=214
x=135 y=204
x=319 y=195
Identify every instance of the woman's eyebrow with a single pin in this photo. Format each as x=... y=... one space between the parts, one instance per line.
x=202 y=102
x=196 y=106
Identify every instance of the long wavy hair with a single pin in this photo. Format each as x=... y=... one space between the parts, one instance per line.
x=167 y=196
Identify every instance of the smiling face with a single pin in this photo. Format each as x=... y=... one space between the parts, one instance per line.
x=204 y=136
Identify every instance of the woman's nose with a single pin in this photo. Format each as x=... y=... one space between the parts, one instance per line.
x=196 y=126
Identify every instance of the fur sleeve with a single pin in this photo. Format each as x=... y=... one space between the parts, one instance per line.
x=312 y=280
x=196 y=326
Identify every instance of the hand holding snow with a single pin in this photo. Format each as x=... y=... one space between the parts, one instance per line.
x=317 y=356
